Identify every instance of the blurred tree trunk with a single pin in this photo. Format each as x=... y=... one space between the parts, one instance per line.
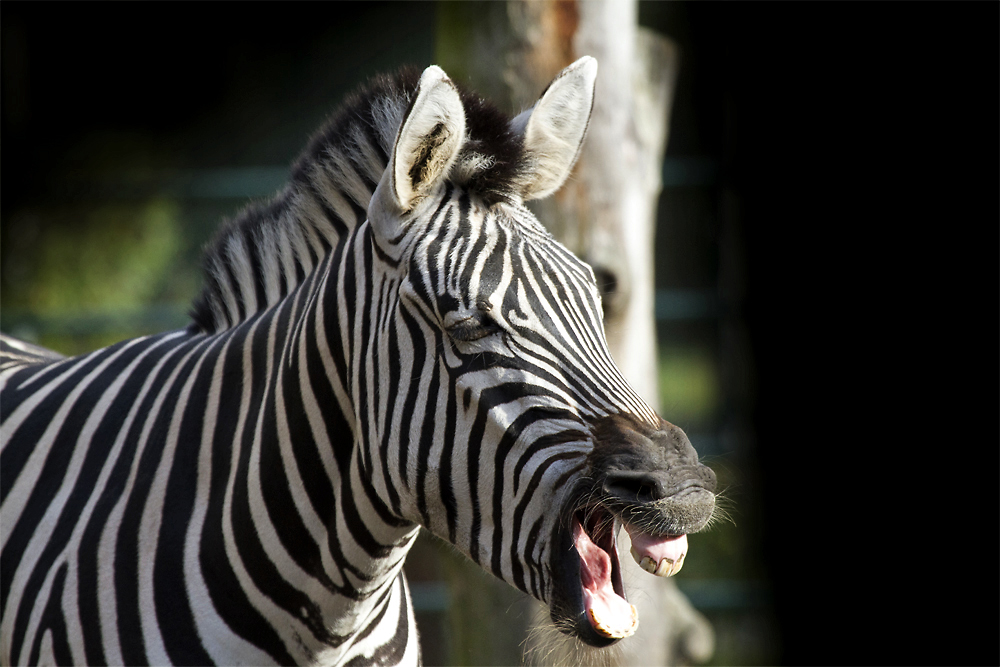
x=606 y=213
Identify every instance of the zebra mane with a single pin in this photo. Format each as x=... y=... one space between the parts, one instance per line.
x=259 y=256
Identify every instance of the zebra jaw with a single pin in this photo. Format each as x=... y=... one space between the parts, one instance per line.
x=595 y=532
x=595 y=538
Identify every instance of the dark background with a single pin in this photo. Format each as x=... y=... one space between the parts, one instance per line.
x=856 y=146
x=866 y=153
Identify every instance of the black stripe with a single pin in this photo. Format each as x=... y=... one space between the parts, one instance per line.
x=261 y=569
x=127 y=545
x=391 y=367
x=445 y=472
x=173 y=611
x=365 y=313
x=427 y=437
x=335 y=220
x=534 y=567
x=22 y=442
x=101 y=445
x=338 y=341
x=276 y=491
x=551 y=440
x=382 y=253
x=234 y=287
x=392 y=652
x=410 y=395
x=226 y=593
x=517 y=571
x=54 y=622
x=506 y=444
x=356 y=524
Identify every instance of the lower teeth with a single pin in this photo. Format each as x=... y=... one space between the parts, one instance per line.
x=616 y=633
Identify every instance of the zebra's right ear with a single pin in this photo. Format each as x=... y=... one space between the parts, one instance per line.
x=429 y=139
x=554 y=128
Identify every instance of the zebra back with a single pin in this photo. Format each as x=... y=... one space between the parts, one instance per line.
x=16 y=353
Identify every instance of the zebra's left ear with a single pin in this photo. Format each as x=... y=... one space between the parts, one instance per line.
x=429 y=139
x=554 y=128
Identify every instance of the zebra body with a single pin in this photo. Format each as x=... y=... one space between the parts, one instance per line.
x=393 y=342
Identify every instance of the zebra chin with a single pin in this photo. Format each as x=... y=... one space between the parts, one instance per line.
x=647 y=480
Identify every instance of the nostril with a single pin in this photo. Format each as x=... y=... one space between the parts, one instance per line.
x=634 y=487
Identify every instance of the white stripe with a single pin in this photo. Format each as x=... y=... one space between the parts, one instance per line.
x=222 y=644
x=71 y=602
x=276 y=615
x=17 y=499
x=152 y=514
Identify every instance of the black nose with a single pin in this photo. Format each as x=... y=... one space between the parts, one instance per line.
x=643 y=486
x=636 y=486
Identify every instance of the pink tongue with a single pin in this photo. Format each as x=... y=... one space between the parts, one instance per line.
x=607 y=611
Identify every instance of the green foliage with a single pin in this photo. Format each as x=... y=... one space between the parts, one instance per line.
x=117 y=258
x=689 y=385
x=80 y=277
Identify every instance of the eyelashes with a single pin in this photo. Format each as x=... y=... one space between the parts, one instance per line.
x=475 y=327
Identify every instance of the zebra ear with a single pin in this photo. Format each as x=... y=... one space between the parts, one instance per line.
x=554 y=128
x=429 y=139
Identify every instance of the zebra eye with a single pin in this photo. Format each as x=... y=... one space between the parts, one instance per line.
x=472 y=328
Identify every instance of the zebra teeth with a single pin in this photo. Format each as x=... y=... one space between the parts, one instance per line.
x=677 y=566
x=612 y=632
x=662 y=555
x=667 y=567
x=645 y=562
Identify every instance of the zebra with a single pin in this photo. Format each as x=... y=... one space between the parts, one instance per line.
x=392 y=342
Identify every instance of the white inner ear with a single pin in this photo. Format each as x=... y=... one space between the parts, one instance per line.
x=555 y=127
x=429 y=139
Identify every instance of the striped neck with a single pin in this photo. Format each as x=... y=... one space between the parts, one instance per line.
x=297 y=490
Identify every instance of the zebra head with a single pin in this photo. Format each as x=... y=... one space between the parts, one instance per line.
x=502 y=423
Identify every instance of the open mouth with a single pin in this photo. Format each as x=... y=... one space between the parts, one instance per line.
x=598 y=608
x=606 y=610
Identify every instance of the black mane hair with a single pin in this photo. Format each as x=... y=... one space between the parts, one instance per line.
x=490 y=166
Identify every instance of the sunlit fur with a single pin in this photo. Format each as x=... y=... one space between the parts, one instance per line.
x=548 y=645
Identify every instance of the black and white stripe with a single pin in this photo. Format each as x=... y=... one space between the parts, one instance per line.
x=393 y=341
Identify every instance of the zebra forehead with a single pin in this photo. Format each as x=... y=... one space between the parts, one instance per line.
x=512 y=230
